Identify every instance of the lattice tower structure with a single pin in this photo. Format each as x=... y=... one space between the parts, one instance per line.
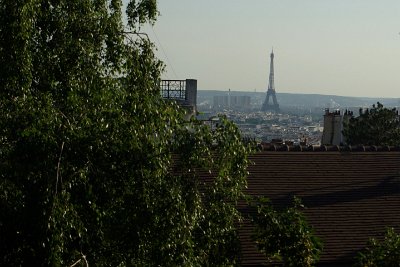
x=274 y=106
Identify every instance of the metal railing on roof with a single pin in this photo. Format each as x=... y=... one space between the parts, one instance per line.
x=173 y=89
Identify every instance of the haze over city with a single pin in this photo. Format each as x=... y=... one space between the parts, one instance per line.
x=341 y=47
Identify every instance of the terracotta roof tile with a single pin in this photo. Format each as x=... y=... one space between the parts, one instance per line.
x=350 y=194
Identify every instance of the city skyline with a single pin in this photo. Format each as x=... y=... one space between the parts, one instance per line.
x=349 y=48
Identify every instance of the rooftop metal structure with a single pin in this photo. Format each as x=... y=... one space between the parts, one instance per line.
x=184 y=92
x=173 y=89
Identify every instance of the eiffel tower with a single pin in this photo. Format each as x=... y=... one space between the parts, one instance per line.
x=271 y=90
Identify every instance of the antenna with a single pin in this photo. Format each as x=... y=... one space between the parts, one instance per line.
x=165 y=54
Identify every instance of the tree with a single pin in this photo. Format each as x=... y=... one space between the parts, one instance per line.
x=285 y=235
x=89 y=149
x=376 y=126
x=384 y=253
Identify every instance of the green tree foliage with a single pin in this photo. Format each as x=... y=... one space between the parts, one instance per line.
x=385 y=253
x=95 y=166
x=375 y=126
x=284 y=235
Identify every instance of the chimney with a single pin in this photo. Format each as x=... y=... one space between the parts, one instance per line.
x=190 y=98
x=333 y=127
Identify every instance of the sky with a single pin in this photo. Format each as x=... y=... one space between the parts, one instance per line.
x=331 y=47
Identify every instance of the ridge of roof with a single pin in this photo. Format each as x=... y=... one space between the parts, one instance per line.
x=326 y=148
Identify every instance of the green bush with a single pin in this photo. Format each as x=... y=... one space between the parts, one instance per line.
x=385 y=253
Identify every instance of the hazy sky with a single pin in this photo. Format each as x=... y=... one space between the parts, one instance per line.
x=340 y=47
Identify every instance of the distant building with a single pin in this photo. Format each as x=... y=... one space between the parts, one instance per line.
x=220 y=102
x=240 y=102
x=231 y=102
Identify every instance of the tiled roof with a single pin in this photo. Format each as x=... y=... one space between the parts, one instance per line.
x=350 y=194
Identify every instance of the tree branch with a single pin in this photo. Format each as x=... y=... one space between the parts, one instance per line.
x=58 y=166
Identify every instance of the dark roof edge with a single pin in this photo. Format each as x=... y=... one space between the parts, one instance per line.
x=323 y=148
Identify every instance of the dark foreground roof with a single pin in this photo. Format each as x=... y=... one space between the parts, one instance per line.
x=350 y=195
